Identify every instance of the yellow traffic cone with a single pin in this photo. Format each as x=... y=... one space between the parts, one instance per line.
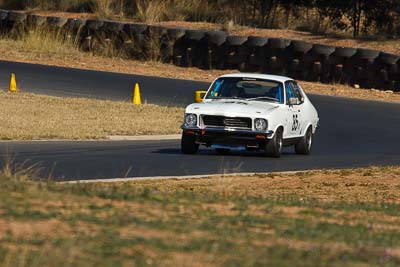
x=13 y=83
x=136 y=100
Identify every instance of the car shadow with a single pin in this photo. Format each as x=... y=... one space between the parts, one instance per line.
x=211 y=152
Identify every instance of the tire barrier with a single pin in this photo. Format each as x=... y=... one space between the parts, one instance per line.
x=168 y=42
x=34 y=21
x=3 y=21
x=218 y=50
x=134 y=40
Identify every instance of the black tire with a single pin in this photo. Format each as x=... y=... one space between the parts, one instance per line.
x=3 y=14
x=368 y=54
x=256 y=41
x=235 y=40
x=156 y=31
x=222 y=151
x=303 y=147
x=323 y=50
x=273 y=147
x=278 y=43
x=217 y=37
x=387 y=58
x=94 y=25
x=134 y=28
x=56 y=22
x=175 y=33
x=14 y=16
x=36 y=20
x=112 y=26
x=300 y=47
x=75 y=24
x=345 y=52
x=194 y=35
x=188 y=144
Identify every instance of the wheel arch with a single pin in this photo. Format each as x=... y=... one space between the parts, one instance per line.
x=277 y=127
x=308 y=126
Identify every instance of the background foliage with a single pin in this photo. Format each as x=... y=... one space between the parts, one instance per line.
x=356 y=17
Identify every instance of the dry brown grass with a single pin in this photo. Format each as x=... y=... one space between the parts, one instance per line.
x=367 y=185
x=349 y=217
x=30 y=116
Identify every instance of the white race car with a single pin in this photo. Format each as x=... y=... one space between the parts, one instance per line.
x=251 y=112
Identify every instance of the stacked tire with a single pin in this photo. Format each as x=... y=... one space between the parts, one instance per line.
x=16 y=23
x=191 y=49
x=321 y=63
x=388 y=71
x=215 y=49
x=91 y=35
x=234 y=53
x=364 y=69
x=342 y=64
x=277 y=56
x=168 y=43
x=134 y=39
x=3 y=21
x=299 y=63
x=257 y=51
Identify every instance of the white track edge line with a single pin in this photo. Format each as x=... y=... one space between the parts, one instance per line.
x=115 y=138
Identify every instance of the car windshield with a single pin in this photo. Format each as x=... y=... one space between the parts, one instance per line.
x=246 y=88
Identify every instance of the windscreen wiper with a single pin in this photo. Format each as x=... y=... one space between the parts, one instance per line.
x=263 y=97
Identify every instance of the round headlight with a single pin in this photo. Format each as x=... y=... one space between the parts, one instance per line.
x=260 y=124
x=191 y=120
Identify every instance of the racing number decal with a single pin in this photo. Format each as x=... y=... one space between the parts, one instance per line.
x=296 y=123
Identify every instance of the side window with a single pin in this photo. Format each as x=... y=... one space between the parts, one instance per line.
x=289 y=91
x=297 y=92
x=293 y=91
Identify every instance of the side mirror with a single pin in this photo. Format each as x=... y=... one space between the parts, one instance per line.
x=293 y=101
x=199 y=95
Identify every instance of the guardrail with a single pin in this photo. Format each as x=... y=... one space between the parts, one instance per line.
x=218 y=50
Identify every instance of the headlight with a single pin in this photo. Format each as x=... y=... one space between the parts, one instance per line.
x=260 y=124
x=191 y=119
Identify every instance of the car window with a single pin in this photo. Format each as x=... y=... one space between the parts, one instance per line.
x=293 y=91
x=297 y=92
x=246 y=88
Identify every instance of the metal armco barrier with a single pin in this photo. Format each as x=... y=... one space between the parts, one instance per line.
x=218 y=50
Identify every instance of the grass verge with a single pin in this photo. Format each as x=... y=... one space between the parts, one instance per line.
x=40 y=48
x=319 y=218
x=31 y=116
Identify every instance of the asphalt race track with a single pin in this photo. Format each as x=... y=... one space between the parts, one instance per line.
x=58 y=81
x=353 y=133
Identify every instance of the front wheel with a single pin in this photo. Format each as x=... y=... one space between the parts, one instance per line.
x=188 y=144
x=274 y=146
x=303 y=147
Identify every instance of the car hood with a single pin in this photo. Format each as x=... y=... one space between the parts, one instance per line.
x=232 y=107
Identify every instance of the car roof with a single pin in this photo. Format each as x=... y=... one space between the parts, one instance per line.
x=258 y=76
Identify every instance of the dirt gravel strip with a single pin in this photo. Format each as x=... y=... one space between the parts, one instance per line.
x=185 y=177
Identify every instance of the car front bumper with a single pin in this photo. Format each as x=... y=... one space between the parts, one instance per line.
x=224 y=137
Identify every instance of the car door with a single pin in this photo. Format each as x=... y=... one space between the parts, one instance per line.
x=294 y=121
x=302 y=112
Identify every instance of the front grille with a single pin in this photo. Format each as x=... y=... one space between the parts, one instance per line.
x=221 y=121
